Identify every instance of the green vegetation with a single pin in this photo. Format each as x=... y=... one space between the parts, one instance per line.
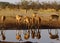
x=32 y=5
x=28 y=8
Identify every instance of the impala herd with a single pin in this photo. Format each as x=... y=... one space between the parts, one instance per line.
x=28 y=22
x=32 y=22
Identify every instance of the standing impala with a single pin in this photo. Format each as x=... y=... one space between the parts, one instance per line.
x=36 y=21
x=27 y=21
x=19 y=20
x=33 y=21
x=3 y=19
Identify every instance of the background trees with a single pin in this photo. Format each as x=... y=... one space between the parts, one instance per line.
x=31 y=5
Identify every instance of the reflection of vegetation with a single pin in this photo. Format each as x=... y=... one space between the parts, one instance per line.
x=32 y=5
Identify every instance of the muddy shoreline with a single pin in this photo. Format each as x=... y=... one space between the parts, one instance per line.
x=17 y=42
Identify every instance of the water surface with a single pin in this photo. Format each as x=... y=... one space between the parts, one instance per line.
x=11 y=37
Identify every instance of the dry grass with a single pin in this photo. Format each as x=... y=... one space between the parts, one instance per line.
x=44 y=14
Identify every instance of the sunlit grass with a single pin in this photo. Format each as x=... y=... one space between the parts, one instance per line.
x=13 y=12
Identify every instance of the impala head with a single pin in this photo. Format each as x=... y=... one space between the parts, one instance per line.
x=26 y=19
x=34 y=15
x=18 y=16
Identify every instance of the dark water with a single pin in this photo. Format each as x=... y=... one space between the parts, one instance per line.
x=11 y=36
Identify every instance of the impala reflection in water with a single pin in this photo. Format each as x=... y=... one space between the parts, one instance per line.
x=37 y=35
